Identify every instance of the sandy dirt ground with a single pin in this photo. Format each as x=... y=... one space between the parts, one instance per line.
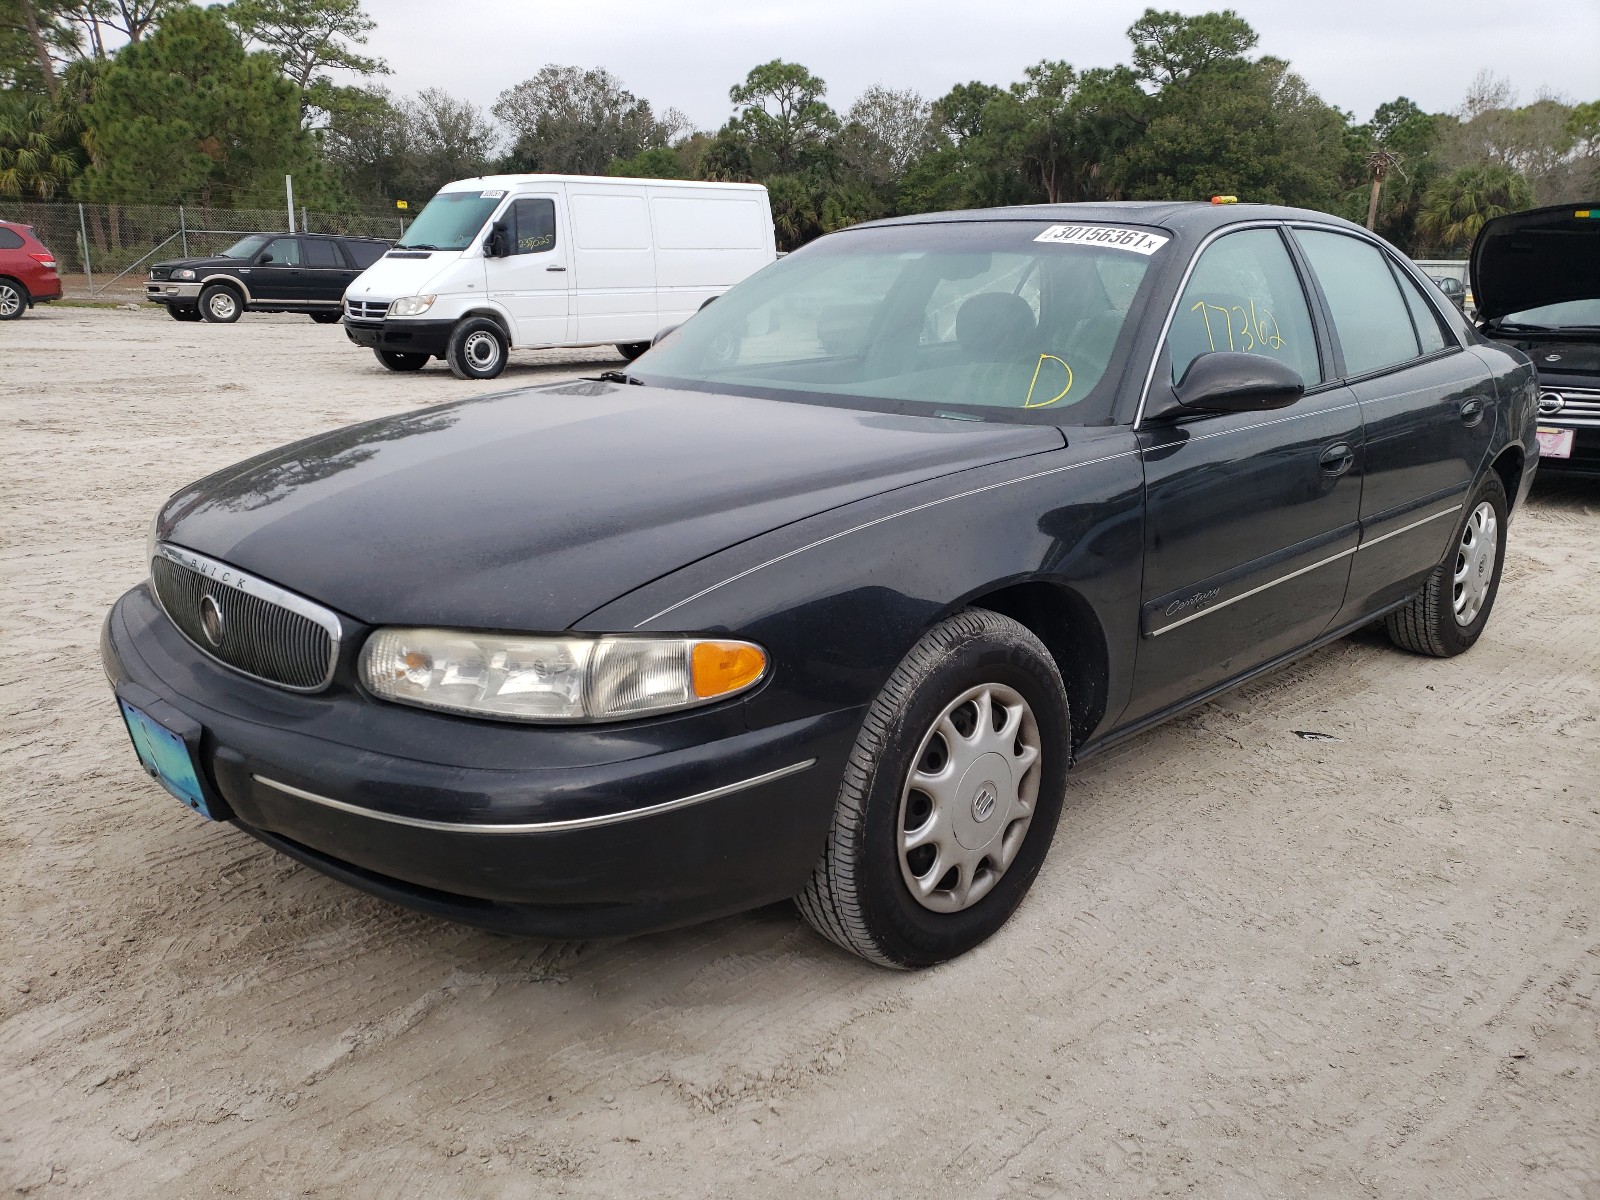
x=1254 y=964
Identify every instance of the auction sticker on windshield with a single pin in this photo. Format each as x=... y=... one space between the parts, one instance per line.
x=1113 y=237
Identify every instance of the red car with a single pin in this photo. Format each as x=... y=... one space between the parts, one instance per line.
x=27 y=271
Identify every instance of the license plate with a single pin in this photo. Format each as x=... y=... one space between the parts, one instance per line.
x=166 y=757
x=1555 y=443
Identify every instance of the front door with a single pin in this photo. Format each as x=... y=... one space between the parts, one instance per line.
x=278 y=273
x=1250 y=518
x=532 y=282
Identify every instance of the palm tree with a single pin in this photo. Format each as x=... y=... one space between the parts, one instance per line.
x=1458 y=205
x=39 y=149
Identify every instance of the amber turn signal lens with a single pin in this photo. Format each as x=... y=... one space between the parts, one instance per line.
x=722 y=667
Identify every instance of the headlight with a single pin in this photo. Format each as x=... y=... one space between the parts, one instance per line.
x=183 y=273
x=411 y=306
x=555 y=678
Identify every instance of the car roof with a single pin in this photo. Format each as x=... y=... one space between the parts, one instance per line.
x=1181 y=216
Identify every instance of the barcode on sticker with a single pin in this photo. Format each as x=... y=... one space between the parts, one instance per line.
x=1112 y=237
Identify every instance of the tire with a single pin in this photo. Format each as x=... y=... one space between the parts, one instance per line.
x=183 y=314
x=908 y=909
x=327 y=318
x=477 y=349
x=221 y=304
x=397 y=360
x=1448 y=615
x=632 y=350
x=14 y=299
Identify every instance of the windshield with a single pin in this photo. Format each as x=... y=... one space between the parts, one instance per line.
x=247 y=247
x=451 y=220
x=1580 y=313
x=996 y=320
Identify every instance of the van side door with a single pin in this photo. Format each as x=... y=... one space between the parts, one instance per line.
x=614 y=258
x=531 y=280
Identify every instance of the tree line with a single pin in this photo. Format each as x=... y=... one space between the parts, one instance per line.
x=161 y=101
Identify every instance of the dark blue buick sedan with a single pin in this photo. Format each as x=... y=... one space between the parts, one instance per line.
x=824 y=597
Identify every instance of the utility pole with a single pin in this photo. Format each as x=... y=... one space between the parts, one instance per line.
x=288 y=187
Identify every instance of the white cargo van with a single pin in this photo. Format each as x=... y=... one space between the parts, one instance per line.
x=519 y=261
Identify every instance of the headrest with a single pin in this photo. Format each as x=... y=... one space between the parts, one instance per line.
x=994 y=325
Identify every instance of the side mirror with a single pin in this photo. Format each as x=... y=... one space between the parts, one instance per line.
x=265 y=259
x=1225 y=382
x=663 y=334
x=498 y=243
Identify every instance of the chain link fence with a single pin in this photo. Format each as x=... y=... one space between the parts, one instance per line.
x=104 y=250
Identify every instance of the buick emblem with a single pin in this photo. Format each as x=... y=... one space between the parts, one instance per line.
x=211 y=619
x=983 y=803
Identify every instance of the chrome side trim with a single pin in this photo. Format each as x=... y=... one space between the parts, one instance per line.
x=631 y=814
x=833 y=537
x=1272 y=583
x=240 y=581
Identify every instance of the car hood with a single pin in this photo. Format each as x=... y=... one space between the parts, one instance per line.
x=1542 y=256
x=529 y=509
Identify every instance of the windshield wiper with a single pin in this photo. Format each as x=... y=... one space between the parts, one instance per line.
x=619 y=377
x=415 y=246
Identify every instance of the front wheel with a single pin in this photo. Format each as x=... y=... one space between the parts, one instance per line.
x=13 y=299
x=949 y=799
x=220 y=304
x=395 y=360
x=1448 y=615
x=326 y=318
x=477 y=349
x=632 y=350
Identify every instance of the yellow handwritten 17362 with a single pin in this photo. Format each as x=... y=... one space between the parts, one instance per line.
x=1258 y=327
x=1044 y=358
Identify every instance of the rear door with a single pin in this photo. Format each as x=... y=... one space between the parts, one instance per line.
x=328 y=272
x=1251 y=518
x=1427 y=404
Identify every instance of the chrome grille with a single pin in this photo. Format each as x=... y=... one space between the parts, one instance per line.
x=366 y=310
x=1574 y=403
x=255 y=627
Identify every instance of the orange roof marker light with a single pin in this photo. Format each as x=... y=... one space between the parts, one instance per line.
x=1224 y=199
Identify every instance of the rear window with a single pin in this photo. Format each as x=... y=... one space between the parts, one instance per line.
x=364 y=254
x=1371 y=318
x=322 y=254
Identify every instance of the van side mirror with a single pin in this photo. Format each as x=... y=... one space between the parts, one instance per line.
x=498 y=243
x=1225 y=381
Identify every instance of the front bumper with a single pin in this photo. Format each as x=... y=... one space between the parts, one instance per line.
x=167 y=292
x=403 y=337
x=638 y=828
x=1585 y=458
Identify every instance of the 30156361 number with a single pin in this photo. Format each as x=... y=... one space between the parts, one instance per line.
x=1255 y=328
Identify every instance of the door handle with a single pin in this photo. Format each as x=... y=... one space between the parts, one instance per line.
x=1472 y=411
x=555 y=268
x=1338 y=458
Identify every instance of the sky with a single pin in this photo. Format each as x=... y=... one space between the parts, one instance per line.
x=686 y=54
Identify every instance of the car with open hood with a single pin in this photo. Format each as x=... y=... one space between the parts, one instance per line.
x=824 y=595
x=1536 y=277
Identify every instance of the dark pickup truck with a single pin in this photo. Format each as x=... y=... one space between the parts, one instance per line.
x=264 y=272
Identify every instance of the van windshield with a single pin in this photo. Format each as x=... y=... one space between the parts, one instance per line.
x=991 y=321
x=450 y=221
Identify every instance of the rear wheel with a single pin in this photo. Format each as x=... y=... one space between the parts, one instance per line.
x=395 y=360
x=183 y=314
x=949 y=799
x=477 y=349
x=632 y=350
x=326 y=318
x=220 y=304
x=1448 y=615
x=13 y=299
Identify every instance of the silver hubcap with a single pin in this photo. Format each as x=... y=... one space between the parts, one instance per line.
x=482 y=350
x=969 y=798
x=1475 y=563
x=223 y=306
x=10 y=300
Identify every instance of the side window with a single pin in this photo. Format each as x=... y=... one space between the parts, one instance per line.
x=285 y=252
x=10 y=239
x=320 y=253
x=533 y=226
x=1369 y=313
x=1429 y=332
x=364 y=254
x=1245 y=296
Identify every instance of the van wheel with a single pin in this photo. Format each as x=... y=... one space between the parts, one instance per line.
x=477 y=349
x=328 y=318
x=632 y=350
x=395 y=360
x=13 y=299
x=220 y=304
